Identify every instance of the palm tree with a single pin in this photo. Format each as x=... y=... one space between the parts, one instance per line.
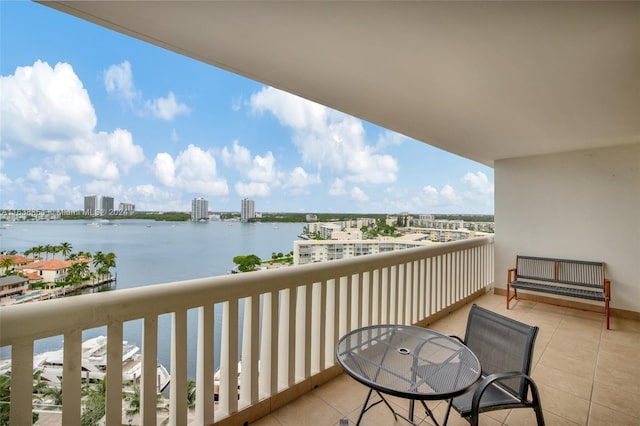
x=77 y=272
x=65 y=248
x=5 y=399
x=54 y=393
x=133 y=399
x=191 y=395
x=48 y=249
x=94 y=403
x=6 y=264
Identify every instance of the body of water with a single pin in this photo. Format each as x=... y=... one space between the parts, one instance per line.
x=149 y=252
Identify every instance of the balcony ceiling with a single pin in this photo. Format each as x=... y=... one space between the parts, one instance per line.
x=484 y=80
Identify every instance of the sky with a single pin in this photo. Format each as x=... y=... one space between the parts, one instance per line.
x=88 y=111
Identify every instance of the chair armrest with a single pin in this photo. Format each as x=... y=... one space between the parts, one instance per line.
x=488 y=381
x=457 y=338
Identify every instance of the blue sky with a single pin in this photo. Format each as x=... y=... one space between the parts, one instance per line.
x=85 y=110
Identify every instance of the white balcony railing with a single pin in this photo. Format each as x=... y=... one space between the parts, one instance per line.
x=292 y=319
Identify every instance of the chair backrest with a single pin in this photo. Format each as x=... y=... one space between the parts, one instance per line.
x=502 y=345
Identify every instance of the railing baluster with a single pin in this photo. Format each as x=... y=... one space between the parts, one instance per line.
x=148 y=386
x=178 y=385
x=71 y=378
x=204 y=411
x=114 y=374
x=22 y=382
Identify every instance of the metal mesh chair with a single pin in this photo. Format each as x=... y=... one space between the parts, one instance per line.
x=504 y=348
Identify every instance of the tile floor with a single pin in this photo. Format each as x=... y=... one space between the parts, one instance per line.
x=586 y=375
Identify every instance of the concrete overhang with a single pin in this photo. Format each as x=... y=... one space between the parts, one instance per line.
x=484 y=80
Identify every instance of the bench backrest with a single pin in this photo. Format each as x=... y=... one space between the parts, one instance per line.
x=564 y=271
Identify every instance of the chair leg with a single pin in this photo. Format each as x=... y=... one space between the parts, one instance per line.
x=535 y=401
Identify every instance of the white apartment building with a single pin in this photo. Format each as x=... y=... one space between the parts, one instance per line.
x=312 y=251
x=91 y=205
x=247 y=209
x=199 y=209
x=126 y=209
x=106 y=206
x=329 y=230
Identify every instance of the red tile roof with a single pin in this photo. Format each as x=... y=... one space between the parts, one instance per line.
x=17 y=259
x=47 y=265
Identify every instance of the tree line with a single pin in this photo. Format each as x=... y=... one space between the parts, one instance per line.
x=79 y=271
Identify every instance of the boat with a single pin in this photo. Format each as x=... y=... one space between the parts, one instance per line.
x=216 y=380
x=94 y=364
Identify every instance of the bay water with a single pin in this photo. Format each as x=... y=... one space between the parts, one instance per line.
x=150 y=252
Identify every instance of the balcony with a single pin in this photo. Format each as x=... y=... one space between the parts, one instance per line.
x=291 y=320
x=286 y=321
x=586 y=375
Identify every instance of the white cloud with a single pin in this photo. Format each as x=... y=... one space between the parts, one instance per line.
x=252 y=189
x=327 y=139
x=45 y=108
x=150 y=197
x=479 y=183
x=263 y=168
x=390 y=138
x=337 y=187
x=358 y=194
x=120 y=147
x=193 y=170
x=260 y=171
x=238 y=157
x=432 y=199
x=118 y=80
x=99 y=186
x=449 y=195
x=166 y=108
x=96 y=165
x=298 y=180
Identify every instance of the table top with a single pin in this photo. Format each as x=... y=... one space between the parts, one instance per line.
x=409 y=362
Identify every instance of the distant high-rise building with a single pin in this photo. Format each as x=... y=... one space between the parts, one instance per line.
x=106 y=205
x=247 y=210
x=199 y=209
x=126 y=209
x=91 y=205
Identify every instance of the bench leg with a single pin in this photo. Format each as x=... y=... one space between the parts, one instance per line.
x=509 y=296
x=606 y=311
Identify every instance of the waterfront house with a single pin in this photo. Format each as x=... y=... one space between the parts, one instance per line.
x=16 y=259
x=51 y=271
x=546 y=93
x=12 y=286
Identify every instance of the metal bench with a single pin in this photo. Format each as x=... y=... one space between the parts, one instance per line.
x=572 y=278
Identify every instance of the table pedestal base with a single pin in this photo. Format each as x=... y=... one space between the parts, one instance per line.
x=366 y=408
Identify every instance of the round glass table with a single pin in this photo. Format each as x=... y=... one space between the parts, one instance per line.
x=408 y=362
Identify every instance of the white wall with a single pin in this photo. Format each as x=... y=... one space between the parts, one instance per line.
x=578 y=205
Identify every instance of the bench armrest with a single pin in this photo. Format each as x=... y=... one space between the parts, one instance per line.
x=512 y=275
x=607 y=288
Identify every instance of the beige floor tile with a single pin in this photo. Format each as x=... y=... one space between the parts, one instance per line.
x=269 y=420
x=574 y=362
x=343 y=393
x=625 y=399
x=601 y=415
x=564 y=404
x=307 y=410
x=587 y=375
x=579 y=386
